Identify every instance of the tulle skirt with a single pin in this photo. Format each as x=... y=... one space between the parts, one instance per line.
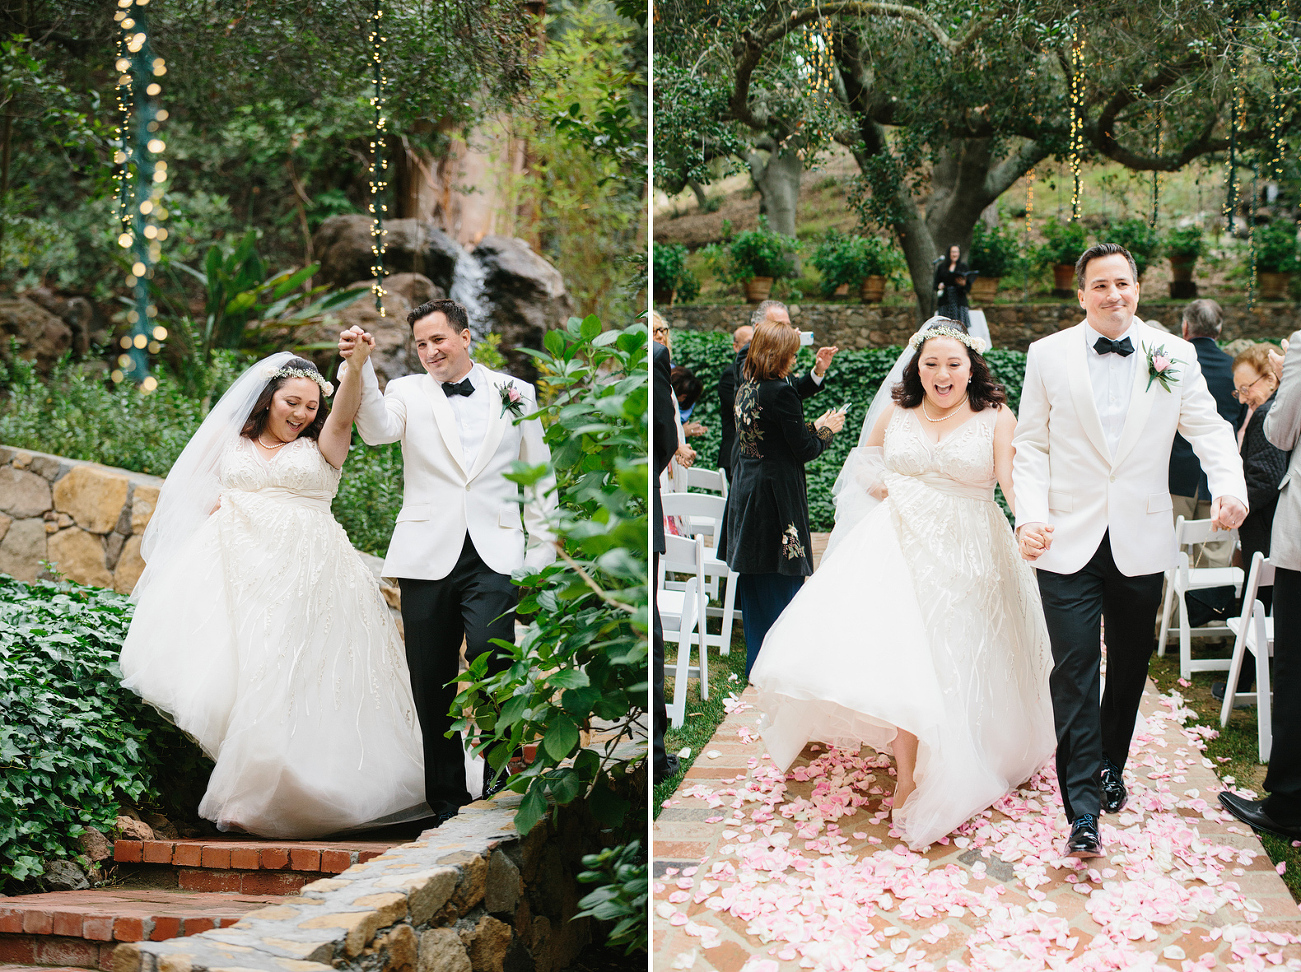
x=924 y=618
x=269 y=642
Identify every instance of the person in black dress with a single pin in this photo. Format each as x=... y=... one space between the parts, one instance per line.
x=764 y=537
x=952 y=283
x=665 y=764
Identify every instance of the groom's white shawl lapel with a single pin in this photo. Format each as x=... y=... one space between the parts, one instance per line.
x=1086 y=409
x=444 y=419
x=498 y=421
x=1140 y=400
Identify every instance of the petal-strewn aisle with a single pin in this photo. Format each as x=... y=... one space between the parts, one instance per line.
x=759 y=873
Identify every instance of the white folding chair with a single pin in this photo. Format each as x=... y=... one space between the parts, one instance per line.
x=704 y=513
x=710 y=480
x=1182 y=578
x=1255 y=633
x=683 y=612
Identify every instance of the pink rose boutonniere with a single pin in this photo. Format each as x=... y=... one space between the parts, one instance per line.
x=511 y=399
x=1158 y=367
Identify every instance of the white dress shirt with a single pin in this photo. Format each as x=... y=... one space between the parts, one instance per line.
x=471 y=412
x=1112 y=378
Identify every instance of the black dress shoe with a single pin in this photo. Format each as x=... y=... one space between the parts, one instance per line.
x=1085 y=840
x=1114 y=794
x=1252 y=813
x=667 y=769
x=442 y=816
x=492 y=787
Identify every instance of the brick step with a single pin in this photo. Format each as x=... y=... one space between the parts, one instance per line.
x=41 y=968
x=80 y=929
x=252 y=854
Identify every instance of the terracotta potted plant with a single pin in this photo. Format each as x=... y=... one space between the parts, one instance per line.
x=1062 y=246
x=1139 y=238
x=880 y=262
x=838 y=260
x=758 y=257
x=1183 y=246
x=995 y=253
x=670 y=265
x=1276 y=258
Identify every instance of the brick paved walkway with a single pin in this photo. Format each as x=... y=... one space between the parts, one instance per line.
x=1184 y=882
x=752 y=872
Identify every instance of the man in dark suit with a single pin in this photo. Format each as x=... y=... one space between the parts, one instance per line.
x=665 y=440
x=806 y=385
x=1189 y=491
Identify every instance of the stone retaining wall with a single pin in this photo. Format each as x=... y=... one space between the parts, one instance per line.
x=857 y=326
x=85 y=518
x=470 y=896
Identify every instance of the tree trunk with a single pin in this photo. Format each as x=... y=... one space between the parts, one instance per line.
x=778 y=180
x=6 y=137
x=702 y=200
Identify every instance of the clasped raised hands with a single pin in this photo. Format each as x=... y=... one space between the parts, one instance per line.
x=1034 y=539
x=356 y=344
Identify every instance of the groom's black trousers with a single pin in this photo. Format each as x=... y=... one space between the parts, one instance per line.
x=1283 y=779
x=473 y=602
x=1074 y=606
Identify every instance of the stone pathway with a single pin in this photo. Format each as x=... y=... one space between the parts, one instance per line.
x=753 y=872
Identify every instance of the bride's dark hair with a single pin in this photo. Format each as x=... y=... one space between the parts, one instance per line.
x=983 y=392
x=257 y=419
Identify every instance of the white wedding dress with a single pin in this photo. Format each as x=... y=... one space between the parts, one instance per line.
x=923 y=618
x=268 y=641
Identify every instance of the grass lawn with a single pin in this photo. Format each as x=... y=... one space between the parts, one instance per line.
x=1233 y=751
x=703 y=717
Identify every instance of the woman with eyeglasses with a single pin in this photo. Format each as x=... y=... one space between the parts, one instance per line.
x=1262 y=463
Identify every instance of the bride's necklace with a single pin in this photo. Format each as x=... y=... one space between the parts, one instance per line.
x=949 y=414
x=273 y=448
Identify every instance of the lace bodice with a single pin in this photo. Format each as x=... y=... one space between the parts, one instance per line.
x=965 y=455
x=298 y=467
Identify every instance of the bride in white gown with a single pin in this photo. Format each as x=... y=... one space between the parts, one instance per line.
x=260 y=632
x=920 y=633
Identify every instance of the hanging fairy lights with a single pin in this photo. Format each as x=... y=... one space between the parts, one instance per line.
x=1025 y=246
x=1077 y=117
x=1275 y=170
x=140 y=173
x=1231 y=195
x=1156 y=175
x=379 y=165
x=1251 y=237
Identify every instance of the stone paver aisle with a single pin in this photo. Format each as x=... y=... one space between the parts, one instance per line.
x=758 y=873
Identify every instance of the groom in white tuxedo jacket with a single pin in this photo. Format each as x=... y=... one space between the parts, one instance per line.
x=459 y=534
x=1100 y=407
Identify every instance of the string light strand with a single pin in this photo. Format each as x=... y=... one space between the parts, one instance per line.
x=379 y=165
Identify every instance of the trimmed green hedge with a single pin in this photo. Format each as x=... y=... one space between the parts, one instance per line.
x=74 y=744
x=854 y=376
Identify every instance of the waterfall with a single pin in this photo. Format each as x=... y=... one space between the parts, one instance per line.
x=467 y=290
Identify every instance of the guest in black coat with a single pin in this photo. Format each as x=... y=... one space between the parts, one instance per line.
x=727 y=382
x=1189 y=491
x=806 y=386
x=1263 y=463
x=952 y=281
x=765 y=535
x=664 y=433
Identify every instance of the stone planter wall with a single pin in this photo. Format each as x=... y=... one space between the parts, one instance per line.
x=85 y=518
x=470 y=896
x=858 y=326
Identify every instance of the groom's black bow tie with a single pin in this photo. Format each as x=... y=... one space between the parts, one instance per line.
x=1124 y=347
x=462 y=387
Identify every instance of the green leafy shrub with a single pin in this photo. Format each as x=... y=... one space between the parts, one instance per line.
x=620 y=896
x=74 y=744
x=995 y=251
x=840 y=259
x=1276 y=249
x=672 y=272
x=1139 y=238
x=854 y=376
x=1184 y=244
x=584 y=654
x=754 y=253
x=1063 y=243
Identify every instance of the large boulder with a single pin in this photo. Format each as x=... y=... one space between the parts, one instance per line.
x=342 y=245
x=42 y=337
x=525 y=296
x=87 y=325
x=394 y=355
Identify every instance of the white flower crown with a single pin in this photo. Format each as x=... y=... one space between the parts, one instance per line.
x=946 y=330
x=271 y=373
